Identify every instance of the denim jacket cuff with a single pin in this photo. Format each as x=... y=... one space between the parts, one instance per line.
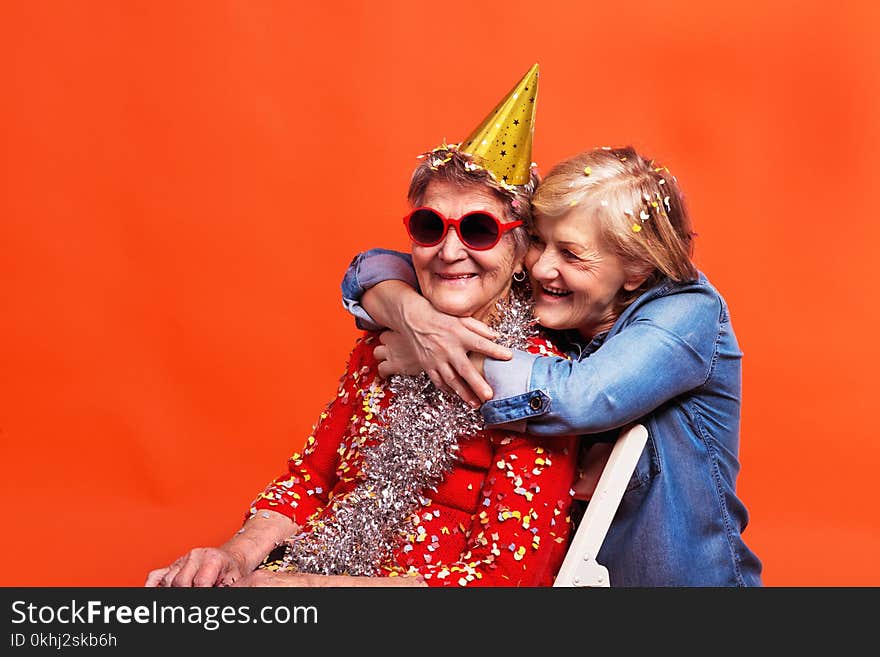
x=513 y=401
x=368 y=269
x=362 y=318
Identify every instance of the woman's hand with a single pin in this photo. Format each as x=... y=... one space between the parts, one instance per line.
x=270 y=578
x=200 y=567
x=224 y=565
x=426 y=340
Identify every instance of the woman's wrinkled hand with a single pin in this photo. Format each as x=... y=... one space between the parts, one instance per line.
x=200 y=567
x=438 y=344
x=305 y=580
x=261 y=577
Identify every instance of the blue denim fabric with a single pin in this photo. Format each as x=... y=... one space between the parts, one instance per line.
x=672 y=363
x=383 y=265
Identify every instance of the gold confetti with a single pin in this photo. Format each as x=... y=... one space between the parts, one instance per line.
x=588 y=171
x=636 y=228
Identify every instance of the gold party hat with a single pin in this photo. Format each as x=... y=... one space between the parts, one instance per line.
x=502 y=143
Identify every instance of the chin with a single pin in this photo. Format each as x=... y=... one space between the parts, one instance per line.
x=550 y=319
x=453 y=308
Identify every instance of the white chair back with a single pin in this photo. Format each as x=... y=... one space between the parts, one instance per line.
x=580 y=567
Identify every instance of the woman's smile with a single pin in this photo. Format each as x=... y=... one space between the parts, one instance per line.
x=552 y=293
x=455 y=279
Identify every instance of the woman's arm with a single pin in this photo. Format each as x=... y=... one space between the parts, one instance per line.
x=270 y=578
x=380 y=290
x=667 y=349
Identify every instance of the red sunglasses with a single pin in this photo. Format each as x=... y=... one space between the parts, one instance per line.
x=479 y=230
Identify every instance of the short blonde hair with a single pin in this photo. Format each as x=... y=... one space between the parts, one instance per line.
x=638 y=204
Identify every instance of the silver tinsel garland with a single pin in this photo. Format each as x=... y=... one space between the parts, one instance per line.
x=417 y=448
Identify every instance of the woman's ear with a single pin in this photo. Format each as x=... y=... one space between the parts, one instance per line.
x=634 y=280
x=634 y=283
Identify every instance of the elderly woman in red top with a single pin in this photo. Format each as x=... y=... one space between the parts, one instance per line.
x=400 y=483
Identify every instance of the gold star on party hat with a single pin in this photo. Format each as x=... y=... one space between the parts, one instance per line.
x=502 y=143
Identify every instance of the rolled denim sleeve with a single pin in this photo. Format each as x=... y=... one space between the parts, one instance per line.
x=510 y=382
x=659 y=355
x=366 y=270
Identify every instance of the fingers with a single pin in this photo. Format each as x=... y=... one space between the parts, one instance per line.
x=480 y=328
x=208 y=574
x=183 y=577
x=195 y=569
x=459 y=386
x=474 y=381
x=442 y=353
x=168 y=578
x=481 y=339
x=257 y=578
x=385 y=369
x=487 y=347
x=154 y=578
x=201 y=567
x=229 y=577
x=437 y=380
x=388 y=368
x=396 y=354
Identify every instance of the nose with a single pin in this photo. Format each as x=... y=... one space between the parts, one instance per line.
x=543 y=264
x=452 y=249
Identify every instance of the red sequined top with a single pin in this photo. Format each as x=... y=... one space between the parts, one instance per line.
x=500 y=517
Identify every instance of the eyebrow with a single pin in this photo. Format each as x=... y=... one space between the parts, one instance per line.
x=579 y=246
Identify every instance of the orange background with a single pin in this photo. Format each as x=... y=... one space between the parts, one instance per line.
x=184 y=183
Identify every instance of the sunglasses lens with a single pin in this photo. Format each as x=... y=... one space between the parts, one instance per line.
x=426 y=227
x=479 y=230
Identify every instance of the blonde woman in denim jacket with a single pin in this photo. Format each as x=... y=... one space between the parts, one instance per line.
x=650 y=340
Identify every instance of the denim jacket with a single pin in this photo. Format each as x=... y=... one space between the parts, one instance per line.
x=671 y=362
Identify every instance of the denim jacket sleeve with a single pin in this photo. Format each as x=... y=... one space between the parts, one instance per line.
x=366 y=270
x=662 y=350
